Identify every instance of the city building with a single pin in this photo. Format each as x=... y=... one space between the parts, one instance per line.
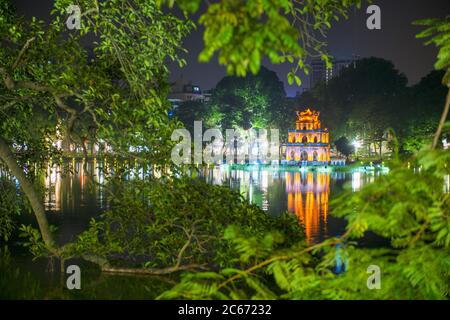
x=182 y=91
x=320 y=72
x=308 y=143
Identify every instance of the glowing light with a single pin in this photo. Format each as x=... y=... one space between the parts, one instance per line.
x=357 y=144
x=356 y=181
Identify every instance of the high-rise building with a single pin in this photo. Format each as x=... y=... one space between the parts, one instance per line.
x=320 y=72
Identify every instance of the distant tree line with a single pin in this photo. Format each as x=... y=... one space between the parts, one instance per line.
x=254 y=101
x=363 y=103
x=367 y=100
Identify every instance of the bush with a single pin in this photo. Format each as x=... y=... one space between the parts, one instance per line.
x=159 y=223
x=10 y=207
x=411 y=208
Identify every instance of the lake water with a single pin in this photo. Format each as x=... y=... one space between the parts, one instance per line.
x=71 y=201
x=306 y=194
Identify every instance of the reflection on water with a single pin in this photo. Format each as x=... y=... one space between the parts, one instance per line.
x=75 y=193
x=74 y=186
x=303 y=193
x=22 y=279
x=72 y=199
x=307 y=197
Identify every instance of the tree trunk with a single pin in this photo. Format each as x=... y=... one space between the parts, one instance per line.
x=381 y=147
x=442 y=121
x=35 y=201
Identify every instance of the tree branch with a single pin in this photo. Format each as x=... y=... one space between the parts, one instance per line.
x=105 y=266
x=442 y=121
x=35 y=201
x=285 y=257
x=22 y=51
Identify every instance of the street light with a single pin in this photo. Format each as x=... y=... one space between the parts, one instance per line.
x=357 y=144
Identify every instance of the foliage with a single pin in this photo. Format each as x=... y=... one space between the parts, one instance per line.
x=363 y=108
x=114 y=88
x=419 y=112
x=415 y=217
x=162 y=223
x=34 y=241
x=438 y=31
x=106 y=82
x=344 y=146
x=53 y=74
x=191 y=111
x=418 y=134
x=353 y=94
x=242 y=33
x=250 y=102
x=15 y=284
x=10 y=206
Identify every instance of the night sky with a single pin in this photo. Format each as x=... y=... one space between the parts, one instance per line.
x=395 y=41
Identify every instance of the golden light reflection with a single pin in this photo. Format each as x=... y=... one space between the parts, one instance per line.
x=53 y=187
x=307 y=197
x=67 y=186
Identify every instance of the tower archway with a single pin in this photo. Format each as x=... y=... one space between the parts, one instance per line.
x=315 y=156
x=304 y=156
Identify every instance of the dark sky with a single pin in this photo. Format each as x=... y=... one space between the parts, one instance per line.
x=395 y=41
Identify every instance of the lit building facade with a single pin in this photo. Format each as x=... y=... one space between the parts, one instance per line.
x=182 y=91
x=308 y=144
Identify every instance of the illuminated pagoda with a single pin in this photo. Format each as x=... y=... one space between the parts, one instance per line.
x=308 y=144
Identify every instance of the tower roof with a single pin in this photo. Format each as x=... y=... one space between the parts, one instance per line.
x=308 y=116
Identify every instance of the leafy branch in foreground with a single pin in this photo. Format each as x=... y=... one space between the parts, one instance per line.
x=242 y=33
x=167 y=226
x=438 y=30
x=112 y=83
x=11 y=205
x=415 y=216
